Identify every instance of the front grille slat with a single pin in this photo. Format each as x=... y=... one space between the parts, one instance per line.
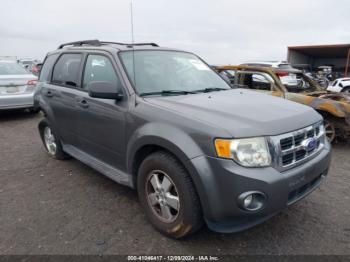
x=299 y=138
x=294 y=146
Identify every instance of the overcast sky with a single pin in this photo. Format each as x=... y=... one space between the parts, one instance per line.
x=220 y=31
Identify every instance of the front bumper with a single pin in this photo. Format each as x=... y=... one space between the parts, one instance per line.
x=16 y=101
x=220 y=182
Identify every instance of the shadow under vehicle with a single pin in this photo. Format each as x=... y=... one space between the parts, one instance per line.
x=334 y=107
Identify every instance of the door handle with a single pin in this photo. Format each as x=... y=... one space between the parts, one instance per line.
x=83 y=103
x=48 y=93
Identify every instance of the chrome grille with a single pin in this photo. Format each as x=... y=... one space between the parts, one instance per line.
x=294 y=148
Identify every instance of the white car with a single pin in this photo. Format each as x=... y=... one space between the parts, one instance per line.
x=17 y=87
x=340 y=85
x=273 y=64
x=284 y=70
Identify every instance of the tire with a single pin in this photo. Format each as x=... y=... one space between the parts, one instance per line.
x=34 y=110
x=54 y=150
x=174 y=183
x=330 y=130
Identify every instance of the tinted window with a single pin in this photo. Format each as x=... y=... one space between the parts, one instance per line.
x=46 y=69
x=99 y=68
x=12 y=68
x=66 y=70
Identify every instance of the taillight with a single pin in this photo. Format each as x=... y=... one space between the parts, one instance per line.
x=281 y=74
x=32 y=82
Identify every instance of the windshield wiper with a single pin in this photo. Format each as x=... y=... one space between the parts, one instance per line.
x=167 y=92
x=210 y=89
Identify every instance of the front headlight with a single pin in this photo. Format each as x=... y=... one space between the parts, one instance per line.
x=249 y=152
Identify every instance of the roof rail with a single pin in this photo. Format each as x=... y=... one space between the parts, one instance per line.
x=82 y=42
x=96 y=42
x=135 y=44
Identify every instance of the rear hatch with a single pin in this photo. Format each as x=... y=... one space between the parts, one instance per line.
x=17 y=84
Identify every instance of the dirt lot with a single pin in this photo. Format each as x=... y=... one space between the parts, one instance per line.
x=64 y=207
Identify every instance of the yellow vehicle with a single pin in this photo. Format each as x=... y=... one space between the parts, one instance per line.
x=298 y=87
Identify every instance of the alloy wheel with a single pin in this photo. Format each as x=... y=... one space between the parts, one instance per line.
x=50 y=142
x=162 y=196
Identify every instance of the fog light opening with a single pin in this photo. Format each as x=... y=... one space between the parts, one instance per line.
x=252 y=201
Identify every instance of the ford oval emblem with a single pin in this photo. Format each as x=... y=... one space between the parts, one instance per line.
x=310 y=144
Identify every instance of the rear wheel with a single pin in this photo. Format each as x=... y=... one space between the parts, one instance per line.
x=51 y=141
x=168 y=196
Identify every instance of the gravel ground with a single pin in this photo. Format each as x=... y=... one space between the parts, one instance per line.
x=64 y=207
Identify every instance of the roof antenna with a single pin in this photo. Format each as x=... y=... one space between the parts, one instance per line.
x=132 y=40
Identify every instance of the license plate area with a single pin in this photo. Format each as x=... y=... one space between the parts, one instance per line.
x=12 y=89
x=9 y=90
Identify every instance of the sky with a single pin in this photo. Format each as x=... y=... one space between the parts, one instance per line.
x=220 y=31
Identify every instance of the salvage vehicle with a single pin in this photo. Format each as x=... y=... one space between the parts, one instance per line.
x=17 y=87
x=163 y=122
x=334 y=107
x=340 y=85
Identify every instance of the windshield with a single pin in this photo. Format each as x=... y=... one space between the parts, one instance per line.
x=11 y=69
x=159 y=71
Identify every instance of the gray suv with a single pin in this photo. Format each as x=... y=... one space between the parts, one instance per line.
x=163 y=122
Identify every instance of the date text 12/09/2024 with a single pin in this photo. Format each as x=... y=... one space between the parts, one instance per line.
x=173 y=258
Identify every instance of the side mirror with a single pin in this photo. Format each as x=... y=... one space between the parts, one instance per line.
x=104 y=89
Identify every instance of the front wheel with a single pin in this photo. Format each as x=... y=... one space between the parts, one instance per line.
x=168 y=196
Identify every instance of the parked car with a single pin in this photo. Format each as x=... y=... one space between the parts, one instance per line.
x=17 y=87
x=273 y=64
x=285 y=71
x=163 y=122
x=36 y=67
x=340 y=85
x=26 y=63
x=334 y=107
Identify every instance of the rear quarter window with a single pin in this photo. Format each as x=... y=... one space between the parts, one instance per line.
x=46 y=68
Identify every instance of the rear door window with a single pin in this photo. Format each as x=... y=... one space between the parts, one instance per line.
x=47 y=66
x=67 y=70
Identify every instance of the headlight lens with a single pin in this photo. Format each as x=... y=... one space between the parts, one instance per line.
x=249 y=152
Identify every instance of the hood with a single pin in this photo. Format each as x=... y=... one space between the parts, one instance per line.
x=241 y=112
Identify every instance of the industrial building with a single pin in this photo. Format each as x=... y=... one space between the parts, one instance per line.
x=337 y=56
